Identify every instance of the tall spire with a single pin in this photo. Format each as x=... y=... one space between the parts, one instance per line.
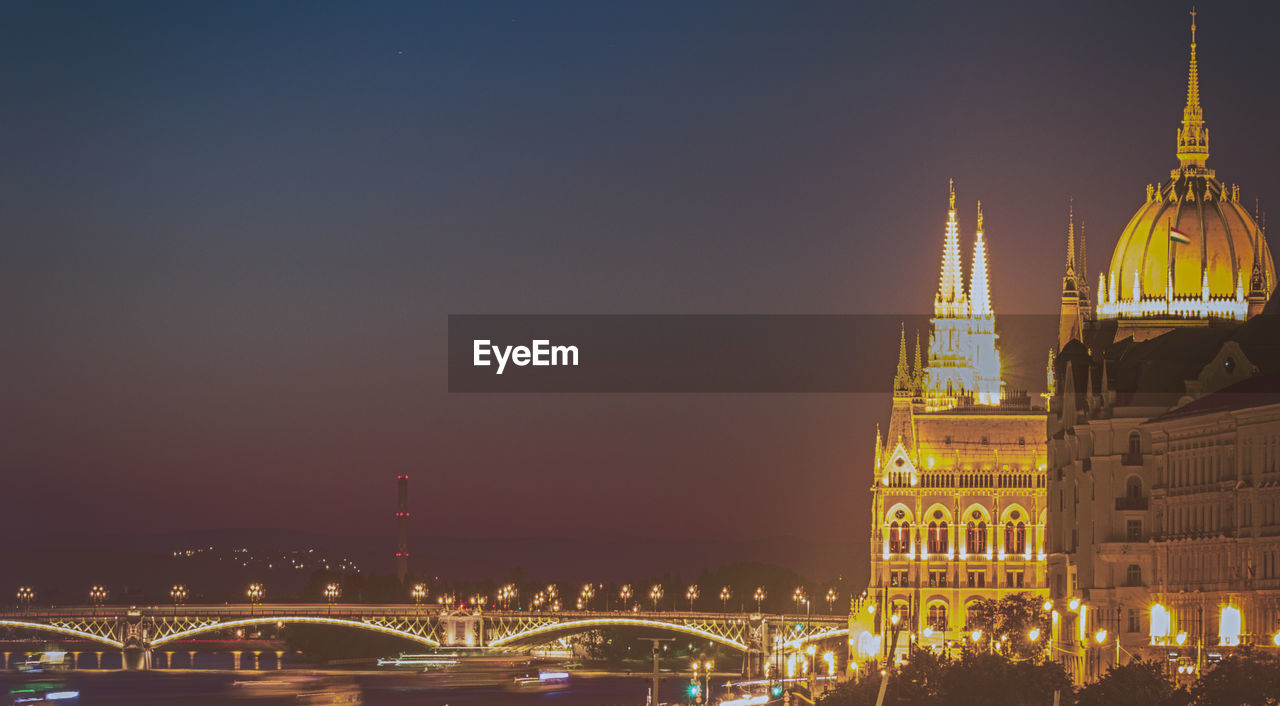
x=979 y=294
x=917 y=368
x=902 y=378
x=1193 y=136
x=1083 y=262
x=1071 y=237
x=950 y=302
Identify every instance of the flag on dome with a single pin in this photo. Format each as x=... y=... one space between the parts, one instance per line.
x=1178 y=236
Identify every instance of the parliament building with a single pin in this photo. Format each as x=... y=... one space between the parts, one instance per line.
x=959 y=478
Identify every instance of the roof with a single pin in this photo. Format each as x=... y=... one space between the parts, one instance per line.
x=1257 y=391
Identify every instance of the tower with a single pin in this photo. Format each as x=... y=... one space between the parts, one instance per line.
x=1070 y=313
x=402 y=527
x=987 y=386
x=964 y=363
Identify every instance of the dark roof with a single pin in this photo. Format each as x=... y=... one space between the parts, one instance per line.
x=1257 y=391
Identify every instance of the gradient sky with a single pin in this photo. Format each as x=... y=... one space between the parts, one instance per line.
x=232 y=233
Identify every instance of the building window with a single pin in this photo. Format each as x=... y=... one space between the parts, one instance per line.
x=1133 y=530
x=1015 y=538
x=977 y=540
x=1013 y=579
x=898 y=578
x=977 y=579
x=1134 y=456
x=1133 y=575
x=1133 y=487
x=1135 y=621
x=938 y=578
x=937 y=537
x=899 y=537
x=938 y=616
x=974 y=614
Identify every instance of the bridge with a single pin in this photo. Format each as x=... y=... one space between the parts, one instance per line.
x=136 y=631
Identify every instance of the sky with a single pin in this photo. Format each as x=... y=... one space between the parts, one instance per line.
x=233 y=232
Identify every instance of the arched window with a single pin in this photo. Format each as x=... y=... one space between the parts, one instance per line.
x=937 y=618
x=974 y=614
x=1134 y=457
x=899 y=537
x=1015 y=538
x=1133 y=575
x=976 y=542
x=937 y=537
x=1133 y=487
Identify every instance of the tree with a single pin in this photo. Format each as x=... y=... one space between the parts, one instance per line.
x=1006 y=624
x=1246 y=678
x=1138 y=682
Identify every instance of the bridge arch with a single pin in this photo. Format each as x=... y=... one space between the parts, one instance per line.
x=583 y=624
x=295 y=619
x=70 y=632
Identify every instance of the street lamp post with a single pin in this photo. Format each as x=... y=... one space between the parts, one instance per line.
x=97 y=596
x=331 y=593
x=419 y=593
x=831 y=599
x=624 y=595
x=692 y=595
x=655 y=595
x=26 y=595
x=179 y=594
x=255 y=595
x=760 y=595
x=724 y=599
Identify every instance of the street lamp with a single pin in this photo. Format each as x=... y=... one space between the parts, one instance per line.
x=624 y=594
x=255 y=595
x=798 y=596
x=97 y=596
x=419 y=593
x=25 y=596
x=655 y=595
x=692 y=595
x=179 y=594
x=760 y=595
x=585 y=595
x=831 y=599
x=724 y=599
x=331 y=593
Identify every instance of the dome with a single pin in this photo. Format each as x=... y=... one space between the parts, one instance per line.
x=1191 y=251
x=1192 y=231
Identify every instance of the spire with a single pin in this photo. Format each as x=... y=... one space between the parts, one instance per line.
x=902 y=378
x=1083 y=262
x=1193 y=136
x=1051 y=383
x=950 y=302
x=917 y=368
x=879 y=446
x=979 y=293
x=1071 y=236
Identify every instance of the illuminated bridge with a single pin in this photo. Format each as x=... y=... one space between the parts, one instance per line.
x=137 y=631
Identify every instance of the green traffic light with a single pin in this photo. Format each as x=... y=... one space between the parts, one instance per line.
x=694 y=689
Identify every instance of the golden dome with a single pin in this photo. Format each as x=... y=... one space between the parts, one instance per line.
x=1190 y=251
x=1222 y=241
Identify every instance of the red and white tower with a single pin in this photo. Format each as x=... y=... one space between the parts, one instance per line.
x=402 y=527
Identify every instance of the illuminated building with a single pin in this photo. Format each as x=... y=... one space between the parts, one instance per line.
x=959 y=486
x=1164 y=433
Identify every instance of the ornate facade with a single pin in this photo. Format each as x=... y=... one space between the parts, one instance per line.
x=958 y=484
x=1164 y=434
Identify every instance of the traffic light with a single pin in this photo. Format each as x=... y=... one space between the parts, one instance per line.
x=776 y=691
x=694 y=690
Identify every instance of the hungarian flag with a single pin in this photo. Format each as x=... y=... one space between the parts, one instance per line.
x=1178 y=236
